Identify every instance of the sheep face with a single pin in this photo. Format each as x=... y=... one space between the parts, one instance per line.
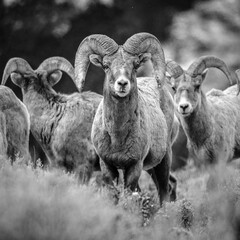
x=187 y=84
x=120 y=69
x=187 y=93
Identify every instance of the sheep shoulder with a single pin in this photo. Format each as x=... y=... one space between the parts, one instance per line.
x=87 y=97
x=215 y=93
x=81 y=107
x=166 y=101
x=150 y=108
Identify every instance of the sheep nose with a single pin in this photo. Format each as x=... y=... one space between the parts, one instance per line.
x=122 y=83
x=184 y=106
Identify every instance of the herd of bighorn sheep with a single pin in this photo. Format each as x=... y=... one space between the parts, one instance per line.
x=133 y=126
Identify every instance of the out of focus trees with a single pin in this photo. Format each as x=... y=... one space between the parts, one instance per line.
x=37 y=29
x=209 y=28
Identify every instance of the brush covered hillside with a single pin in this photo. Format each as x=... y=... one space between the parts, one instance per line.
x=49 y=204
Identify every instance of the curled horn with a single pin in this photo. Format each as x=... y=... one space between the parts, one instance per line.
x=174 y=69
x=238 y=80
x=57 y=63
x=18 y=65
x=198 y=66
x=146 y=42
x=96 y=43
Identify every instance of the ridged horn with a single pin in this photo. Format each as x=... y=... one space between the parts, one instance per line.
x=57 y=63
x=93 y=44
x=148 y=43
x=204 y=62
x=238 y=79
x=18 y=65
x=174 y=69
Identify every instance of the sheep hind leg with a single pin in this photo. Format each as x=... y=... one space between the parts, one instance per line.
x=162 y=172
x=172 y=184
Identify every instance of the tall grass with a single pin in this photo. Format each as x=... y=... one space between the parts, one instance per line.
x=43 y=204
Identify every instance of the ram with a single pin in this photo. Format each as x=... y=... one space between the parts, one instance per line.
x=133 y=126
x=60 y=123
x=14 y=126
x=211 y=121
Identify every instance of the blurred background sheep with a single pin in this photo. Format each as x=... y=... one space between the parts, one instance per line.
x=14 y=126
x=36 y=30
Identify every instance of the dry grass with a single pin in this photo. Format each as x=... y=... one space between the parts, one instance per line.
x=42 y=204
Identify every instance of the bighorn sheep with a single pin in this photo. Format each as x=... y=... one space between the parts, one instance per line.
x=61 y=123
x=211 y=121
x=14 y=126
x=132 y=128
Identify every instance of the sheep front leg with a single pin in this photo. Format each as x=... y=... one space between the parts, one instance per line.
x=85 y=172
x=109 y=173
x=131 y=176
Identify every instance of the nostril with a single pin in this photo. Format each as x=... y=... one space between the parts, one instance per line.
x=184 y=106
x=122 y=83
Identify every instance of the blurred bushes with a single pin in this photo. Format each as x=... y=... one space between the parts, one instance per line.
x=209 y=28
x=43 y=204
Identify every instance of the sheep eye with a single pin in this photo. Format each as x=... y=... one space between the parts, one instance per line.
x=136 y=64
x=174 y=89
x=105 y=66
x=197 y=87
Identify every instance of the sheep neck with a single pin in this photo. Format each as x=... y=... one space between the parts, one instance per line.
x=120 y=115
x=40 y=100
x=198 y=126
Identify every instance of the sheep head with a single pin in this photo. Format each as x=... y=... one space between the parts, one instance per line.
x=187 y=84
x=120 y=63
x=47 y=74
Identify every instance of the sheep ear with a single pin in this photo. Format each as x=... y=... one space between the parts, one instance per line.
x=144 y=57
x=199 y=79
x=17 y=79
x=96 y=60
x=169 y=78
x=204 y=74
x=54 y=77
